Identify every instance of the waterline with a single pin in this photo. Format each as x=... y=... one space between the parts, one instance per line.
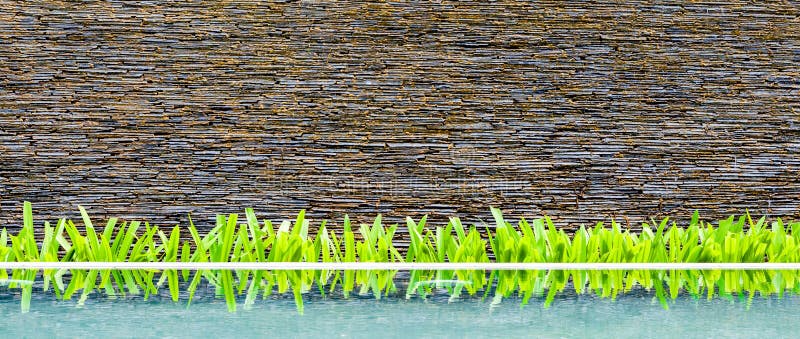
x=393 y=266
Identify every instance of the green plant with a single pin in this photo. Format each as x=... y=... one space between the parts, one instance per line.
x=732 y=240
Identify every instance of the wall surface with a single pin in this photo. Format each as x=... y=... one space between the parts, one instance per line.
x=149 y=110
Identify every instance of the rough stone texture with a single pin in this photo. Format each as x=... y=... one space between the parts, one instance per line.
x=151 y=109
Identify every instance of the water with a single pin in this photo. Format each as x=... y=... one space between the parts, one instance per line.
x=633 y=315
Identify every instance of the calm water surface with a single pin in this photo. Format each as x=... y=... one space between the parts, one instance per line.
x=571 y=316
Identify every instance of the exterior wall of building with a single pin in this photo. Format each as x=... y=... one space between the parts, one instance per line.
x=149 y=110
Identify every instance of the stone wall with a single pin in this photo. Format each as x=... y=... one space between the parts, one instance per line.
x=149 y=110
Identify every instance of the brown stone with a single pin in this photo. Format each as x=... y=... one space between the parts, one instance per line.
x=583 y=111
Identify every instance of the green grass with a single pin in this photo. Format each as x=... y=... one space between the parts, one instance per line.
x=732 y=240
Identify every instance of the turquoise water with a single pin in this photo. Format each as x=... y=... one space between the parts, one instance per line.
x=634 y=315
